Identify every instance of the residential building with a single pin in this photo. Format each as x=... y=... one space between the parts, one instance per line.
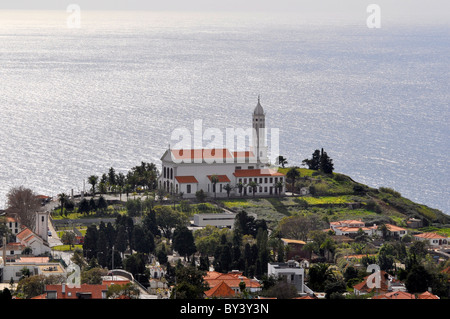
x=394 y=231
x=291 y=272
x=294 y=248
x=232 y=279
x=83 y=291
x=378 y=283
x=433 y=239
x=351 y=227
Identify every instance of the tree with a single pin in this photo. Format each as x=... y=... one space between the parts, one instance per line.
x=83 y=207
x=317 y=276
x=418 y=280
x=326 y=163
x=183 y=242
x=62 y=198
x=200 y=196
x=93 y=179
x=102 y=205
x=168 y=219
x=127 y=291
x=214 y=181
x=90 y=242
x=190 y=283
x=121 y=243
x=24 y=203
x=292 y=175
x=278 y=187
x=144 y=241
x=228 y=188
x=281 y=160
x=314 y=162
x=68 y=238
x=240 y=187
x=254 y=186
x=112 y=177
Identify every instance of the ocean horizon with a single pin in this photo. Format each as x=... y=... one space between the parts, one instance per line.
x=76 y=101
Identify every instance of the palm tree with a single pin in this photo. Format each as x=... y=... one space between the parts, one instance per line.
x=279 y=186
x=93 y=179
x=292 y=175
x=228 y=188
x=240 y=186
x=214 y=181
x=253 y=185
x=62 y=198
x=281 y=160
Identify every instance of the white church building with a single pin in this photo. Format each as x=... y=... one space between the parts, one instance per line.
x=221 y=172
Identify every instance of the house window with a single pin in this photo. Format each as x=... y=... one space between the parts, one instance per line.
x=260 y=180
x=276 y=179
x=42 y=218
x=265 y=189
x=271 y=180
x=188 y=189
x=221 y=188
x=260 y=189
x=238 y=167
x=251 y=167
x=265 y=180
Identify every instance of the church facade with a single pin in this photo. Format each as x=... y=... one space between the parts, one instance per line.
x=223 y=172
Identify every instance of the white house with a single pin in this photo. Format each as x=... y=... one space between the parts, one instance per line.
x=214 y=170
x=432 y=238
x=291 y=272
x=348 y=227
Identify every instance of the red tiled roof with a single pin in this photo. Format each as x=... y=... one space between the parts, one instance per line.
x=427 y=295
x=222 y=178
x=430 y=236
x=395 y=295
x=394 y=228
x=26 y=232
x=214 y=278
x=220 y=290
x=256 y=172
x=362 y=286
x=94 y=290
x=186 y=179
x=191 y=154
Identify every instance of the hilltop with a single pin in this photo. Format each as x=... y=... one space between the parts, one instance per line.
x=337 y=196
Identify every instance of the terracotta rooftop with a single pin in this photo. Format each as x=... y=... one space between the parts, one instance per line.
x=430 y=236
x=221 y=290
x=256 y=172
x=232 y=279
x=222 y=178
x=186 y=179
x=96 y=291
x=191 y=154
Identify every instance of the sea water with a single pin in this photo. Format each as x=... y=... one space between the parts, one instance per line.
x=76 y=101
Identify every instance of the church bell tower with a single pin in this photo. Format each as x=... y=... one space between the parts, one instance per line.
x=259 y=133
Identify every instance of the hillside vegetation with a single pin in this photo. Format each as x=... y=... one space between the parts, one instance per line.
x=335 y=197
